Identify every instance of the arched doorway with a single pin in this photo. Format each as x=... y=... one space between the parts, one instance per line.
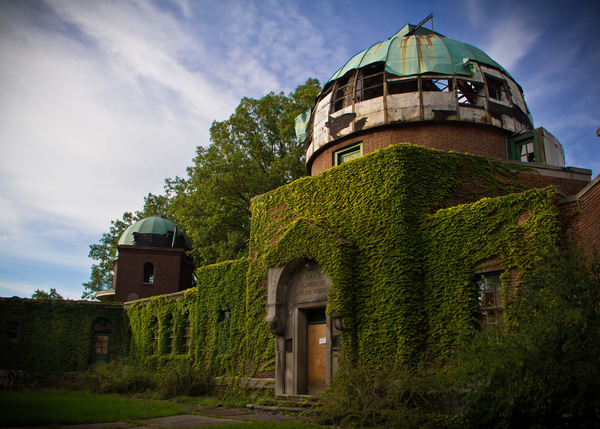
x=296 y=305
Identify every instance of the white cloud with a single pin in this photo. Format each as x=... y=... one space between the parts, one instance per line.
x=511 y=39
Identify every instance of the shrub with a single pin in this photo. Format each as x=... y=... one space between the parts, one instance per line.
x=183 y=379
x=544 y=370
x=116 y=377
x=365 y=397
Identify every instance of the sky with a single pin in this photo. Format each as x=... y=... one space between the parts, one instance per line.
x=101 y=101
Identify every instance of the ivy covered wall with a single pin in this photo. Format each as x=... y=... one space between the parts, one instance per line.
x=400 y=232
x=215 y=314
x=55 y=336
x=406 y=285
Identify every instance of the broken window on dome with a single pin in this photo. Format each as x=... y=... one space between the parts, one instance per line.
x=370 y=82
x=496 y=88
x=402 y=86
x=490 y=301
x=342 y=95
x=470 y=93
x=437 y=85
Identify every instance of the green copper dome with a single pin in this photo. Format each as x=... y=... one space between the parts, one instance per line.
x=412 y=52
x=155 y=224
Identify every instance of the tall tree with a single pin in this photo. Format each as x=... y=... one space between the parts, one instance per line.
x=104 y=251
x=252 y=152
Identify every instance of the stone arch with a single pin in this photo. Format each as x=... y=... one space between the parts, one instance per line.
x=307 y=267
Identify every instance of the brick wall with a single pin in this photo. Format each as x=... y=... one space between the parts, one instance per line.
x=172 y=272
x=582 y=221
x=459 y=137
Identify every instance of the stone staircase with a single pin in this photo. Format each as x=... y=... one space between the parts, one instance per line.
x=288 y=404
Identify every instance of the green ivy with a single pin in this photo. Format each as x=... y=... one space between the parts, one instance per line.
x=55 y=336
x=399 y=232
x=217 y=316
x=384 y=230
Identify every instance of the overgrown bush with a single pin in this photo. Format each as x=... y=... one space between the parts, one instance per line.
x=365 y=397
x=182 y=379
x=544 y=370
x=116 y=377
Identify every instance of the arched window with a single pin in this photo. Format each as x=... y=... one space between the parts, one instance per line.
x=148 y=273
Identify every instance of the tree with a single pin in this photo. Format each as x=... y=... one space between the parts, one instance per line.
x=42 y=294
x=252 y=152
x=544 y=370
x=104 y=252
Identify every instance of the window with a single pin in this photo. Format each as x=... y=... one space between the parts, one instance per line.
x=187 y=333
x=153 y=336
x=402 y=86
x=223 y=325
x=526 y=152
x=370 y=82
x=342 y=96
x=489 y=288
x=348 y=153
x=437 y=85
x=470 y=93
x=496 y=88
x=101 y=346
x=171 y=333
x=12 y=331
x=525 y=148
x=148 y=273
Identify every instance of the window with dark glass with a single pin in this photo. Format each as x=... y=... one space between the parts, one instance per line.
x=148 y=272
x=342 y=95
x=369 y=83
x=401 y=86
x=12 y=331
x=489 y=287
x=496 y=88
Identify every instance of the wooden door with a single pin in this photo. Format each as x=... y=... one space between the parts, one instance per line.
x=316 y=357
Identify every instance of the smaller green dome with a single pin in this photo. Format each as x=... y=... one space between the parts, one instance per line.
x=156 y=225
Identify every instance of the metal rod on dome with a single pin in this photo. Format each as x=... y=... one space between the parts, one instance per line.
x=174 y=236
x=423 y=22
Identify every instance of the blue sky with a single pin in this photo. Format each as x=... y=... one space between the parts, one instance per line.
x=100 y=101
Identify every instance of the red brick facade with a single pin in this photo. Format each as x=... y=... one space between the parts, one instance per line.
x=460 y=137
x=580 y=216
x=172 y=272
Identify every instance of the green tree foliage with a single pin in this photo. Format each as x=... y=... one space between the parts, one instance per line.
x=42 y=294
x=544 y=370
x=104 y=251
x=252 y=152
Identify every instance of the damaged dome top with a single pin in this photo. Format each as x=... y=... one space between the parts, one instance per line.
x=413 y=51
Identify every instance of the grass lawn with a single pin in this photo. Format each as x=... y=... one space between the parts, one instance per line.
x=47 y=407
